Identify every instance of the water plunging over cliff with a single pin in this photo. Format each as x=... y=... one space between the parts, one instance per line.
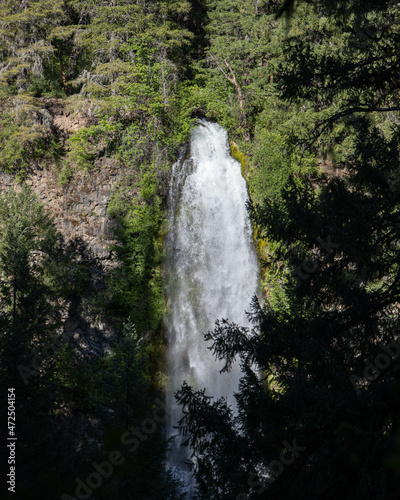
x=211 y=265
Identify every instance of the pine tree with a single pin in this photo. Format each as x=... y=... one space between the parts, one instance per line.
x=29 y=340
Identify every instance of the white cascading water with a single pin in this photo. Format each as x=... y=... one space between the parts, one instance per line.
x=211 y=269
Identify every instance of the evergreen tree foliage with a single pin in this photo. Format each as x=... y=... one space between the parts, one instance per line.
x=133 y=417
x=29 y=340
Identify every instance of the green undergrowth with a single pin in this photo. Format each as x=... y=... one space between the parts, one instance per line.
x=136 y=286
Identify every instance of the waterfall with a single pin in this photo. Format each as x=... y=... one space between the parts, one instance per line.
x=211 y=269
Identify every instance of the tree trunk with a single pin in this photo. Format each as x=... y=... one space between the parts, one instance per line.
x=63 y=75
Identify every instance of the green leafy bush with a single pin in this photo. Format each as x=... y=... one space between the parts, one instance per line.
x=273 y=161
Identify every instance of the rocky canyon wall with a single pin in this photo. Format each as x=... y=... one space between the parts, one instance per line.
x=80 y=211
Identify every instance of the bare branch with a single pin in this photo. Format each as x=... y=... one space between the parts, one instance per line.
x=232 y=79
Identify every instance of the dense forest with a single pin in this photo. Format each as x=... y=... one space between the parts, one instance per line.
x=309 y=93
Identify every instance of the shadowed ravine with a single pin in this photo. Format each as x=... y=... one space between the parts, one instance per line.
x=211 y=266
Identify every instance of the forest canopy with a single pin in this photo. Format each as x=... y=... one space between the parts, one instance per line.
x=309 y=93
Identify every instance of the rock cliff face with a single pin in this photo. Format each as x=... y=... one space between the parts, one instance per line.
x=80 y=208
x=80 y=211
